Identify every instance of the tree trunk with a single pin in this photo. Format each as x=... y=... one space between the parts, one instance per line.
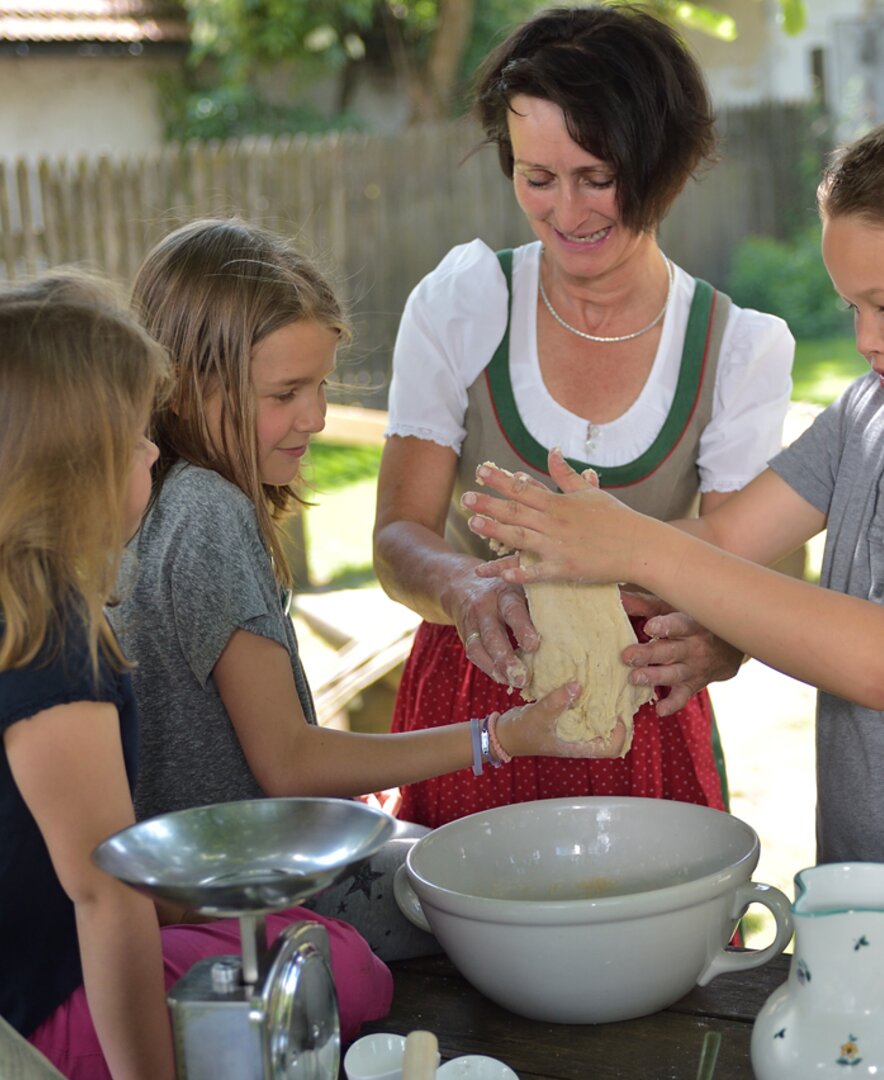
x=434 y=92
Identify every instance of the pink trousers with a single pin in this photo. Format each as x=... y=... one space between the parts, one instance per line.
x=363 y=983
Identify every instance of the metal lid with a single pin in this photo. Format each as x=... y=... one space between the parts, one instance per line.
x=301 y=1007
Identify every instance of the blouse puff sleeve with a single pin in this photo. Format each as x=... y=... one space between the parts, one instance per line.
x=752 y=394
x=452 y=323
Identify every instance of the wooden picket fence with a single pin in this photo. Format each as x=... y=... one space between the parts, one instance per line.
x=378 y=211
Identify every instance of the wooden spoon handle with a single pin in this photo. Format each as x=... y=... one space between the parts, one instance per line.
x=421 y=1055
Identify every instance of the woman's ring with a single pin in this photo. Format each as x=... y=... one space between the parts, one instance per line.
x=470 y=639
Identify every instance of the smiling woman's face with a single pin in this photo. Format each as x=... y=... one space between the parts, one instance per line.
x=568 y=195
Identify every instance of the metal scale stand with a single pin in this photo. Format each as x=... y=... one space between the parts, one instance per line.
x=270 y=1013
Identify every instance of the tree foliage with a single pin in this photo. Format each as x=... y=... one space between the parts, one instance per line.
x=431 y=45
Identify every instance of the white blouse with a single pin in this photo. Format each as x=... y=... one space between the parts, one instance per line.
x=455 y=318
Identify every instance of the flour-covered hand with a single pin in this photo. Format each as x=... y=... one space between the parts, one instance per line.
x=681 y=655
x=485 y=612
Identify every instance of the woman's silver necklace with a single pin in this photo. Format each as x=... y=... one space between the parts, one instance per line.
x=609 y=340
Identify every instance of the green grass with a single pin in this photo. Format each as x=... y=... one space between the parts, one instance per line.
x=824 y=368
x=341 y=484
x=338 y=528
x=331 y=467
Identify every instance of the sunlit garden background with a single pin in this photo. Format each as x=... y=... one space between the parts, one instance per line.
x=339 y=123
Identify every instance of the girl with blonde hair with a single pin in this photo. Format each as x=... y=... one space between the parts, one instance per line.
x=253 y=330
x=77 y=379
x=83 y=954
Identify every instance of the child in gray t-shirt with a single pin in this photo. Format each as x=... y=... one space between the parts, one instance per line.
x=831 y=478
x=252 y=329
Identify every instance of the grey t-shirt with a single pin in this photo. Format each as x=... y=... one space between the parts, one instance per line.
x=201 y=572
x=837 y=465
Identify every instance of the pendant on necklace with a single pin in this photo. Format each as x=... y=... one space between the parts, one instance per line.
x=592 y=438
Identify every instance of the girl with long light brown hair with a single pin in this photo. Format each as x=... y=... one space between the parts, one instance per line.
x=253 y=330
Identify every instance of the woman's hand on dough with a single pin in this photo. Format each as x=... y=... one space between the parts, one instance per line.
x=484 y=628
x=583 y=535
x=683 y=655
x=531 y=730
x=484 y=612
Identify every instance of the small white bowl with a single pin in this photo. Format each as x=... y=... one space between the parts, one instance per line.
x=475 y=1067
x=375 y=1057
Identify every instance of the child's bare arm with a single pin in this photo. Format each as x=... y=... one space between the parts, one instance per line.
x=824 y=638
x=288 y=756
x=763 y=522
x=68 y=765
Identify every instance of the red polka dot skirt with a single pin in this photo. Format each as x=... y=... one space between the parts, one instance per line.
x=671 y=757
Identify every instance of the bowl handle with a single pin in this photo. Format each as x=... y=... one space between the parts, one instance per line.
x=407 y=899
x=753 y=892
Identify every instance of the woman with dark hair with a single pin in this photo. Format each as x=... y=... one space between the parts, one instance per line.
x=592 y=340
x=828 y=635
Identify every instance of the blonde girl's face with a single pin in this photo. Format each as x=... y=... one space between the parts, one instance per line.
x=289 y=371
x=138 y=488
x=853 y=251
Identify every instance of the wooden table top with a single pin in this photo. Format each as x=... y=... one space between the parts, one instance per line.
x=431 y=995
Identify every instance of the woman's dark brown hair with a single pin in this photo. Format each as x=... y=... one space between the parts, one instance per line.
x=630 y=91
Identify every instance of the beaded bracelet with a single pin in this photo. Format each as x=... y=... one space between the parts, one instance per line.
x=476 y=735
x=503 y=758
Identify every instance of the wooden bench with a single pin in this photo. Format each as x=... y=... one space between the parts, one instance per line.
x=371 y=634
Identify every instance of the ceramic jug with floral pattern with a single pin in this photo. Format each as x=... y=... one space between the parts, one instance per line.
x=827 y=1019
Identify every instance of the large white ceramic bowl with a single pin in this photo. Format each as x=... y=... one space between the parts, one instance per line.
x=589 y=910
